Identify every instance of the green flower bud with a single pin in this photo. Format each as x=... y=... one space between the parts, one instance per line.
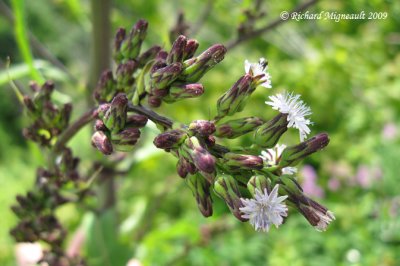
x=102 y=142
x=294 y=154
x=106 y=87
x=259 y=182
x=115 y=117
x=177 y=51
x=148 y=55
x=201 y=191
x=228 y=104
x=130 y=47
x=238 y=127
x=184 y=91
x=126 y=139
x=170 y=139
x=242 y=162
x=195 y=68
x=268 y=134
x=119 y=38
x=124 y=75
x=227 y=189
x=162 y=77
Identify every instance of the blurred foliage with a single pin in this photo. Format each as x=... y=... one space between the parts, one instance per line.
x=347 y=71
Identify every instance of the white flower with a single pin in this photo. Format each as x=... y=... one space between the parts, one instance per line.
x=325 y=219
x=272 y=157
x=259 y=69
x=290 y=104
x=264 y=209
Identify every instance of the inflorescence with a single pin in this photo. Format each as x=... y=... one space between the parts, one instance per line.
x=257 y=184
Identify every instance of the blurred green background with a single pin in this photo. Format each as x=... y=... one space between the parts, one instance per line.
x=347 y=72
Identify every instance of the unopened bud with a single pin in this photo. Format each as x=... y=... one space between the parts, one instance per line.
x=238 y=127
x=126 y=139
x=119 y=38
x=130 y=47
x=30 y=106
x=124 y=75
x=154 y=101
x=294 y=154
x=163 y=77
x=201 y=191
x=136 y=121
x=171 y=139
x=201 y=157
x=190 y=49
x=102 y=142
x=227 y=189
x=106 y=87
x=268 y=134
x=148 y=55
x=243 y=162
x=202 y=128
x=99 y=125
x=177 y=51
x=115 y=117
x=229 y=103
x=196 y=67
x=259 y=182
x=184 y=91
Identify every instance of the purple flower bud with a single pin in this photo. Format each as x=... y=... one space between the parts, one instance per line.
x=30 y=106
x=196 y=67
x=184 y=91
x=99 y=125
x=202 y=159
x=115 y=117
x=201 y=190
x=102 y=143
x=190 y=49
x=170 y=139
x=105 y=88
x=154 y=101
x=163 y=77
x=130 y=47
x=126 y=139
x=124 y=75
x=238 y=127
x=203 y=128
x=268 y=134
x=177 y=51
x=119 y=38
x=294 y=154
x=246 y=162
x=136 y=121
x=148 y=55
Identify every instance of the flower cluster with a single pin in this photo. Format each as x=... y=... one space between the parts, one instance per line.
x=255 y=182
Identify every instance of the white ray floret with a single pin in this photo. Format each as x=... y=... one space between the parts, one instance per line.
x=297 y=110
x=258 y=69
x=264 y=209
x=272 y=156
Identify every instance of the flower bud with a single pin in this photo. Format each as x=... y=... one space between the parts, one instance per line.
x=126 y=139
x=115 y=117
x=202 y=128
x=171 y=139
x=238 y=127
x=162 y=77
x=106 y=87
x=227 y=189
x=136 y=121
x=294 y=154
x=130 y=47
x=201 y=191
x=119 y=38
x=184 y=91
x=259 y=182
x=177 y=51
x=195 y=68
x=202 y=159
x=154 y=101
x=243 y=162
x=124 y=75
x=148 y=55
x=30 y=106
x=190 y=49
x=183 y=167
x=102 y=143
x=228 y=104
x=268 y=134
x=99 y=125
